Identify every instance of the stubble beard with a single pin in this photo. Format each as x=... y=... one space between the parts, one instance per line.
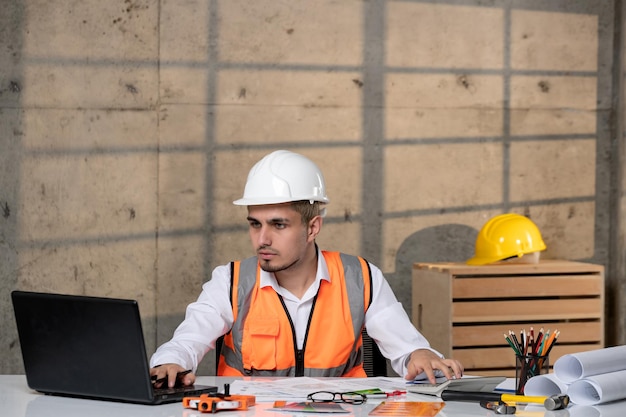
x=265 y=265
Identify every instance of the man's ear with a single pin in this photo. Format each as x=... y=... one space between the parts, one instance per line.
x=315 y=226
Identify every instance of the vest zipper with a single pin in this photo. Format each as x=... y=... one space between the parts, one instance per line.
x=299 y=359
x=299 y=362
x=300 y=353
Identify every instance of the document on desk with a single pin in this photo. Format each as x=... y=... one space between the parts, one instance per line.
x=407 y=408
x=473 y=384
x=308 y=407
x=297 y=389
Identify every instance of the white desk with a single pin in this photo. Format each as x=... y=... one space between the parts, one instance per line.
x=17 y=400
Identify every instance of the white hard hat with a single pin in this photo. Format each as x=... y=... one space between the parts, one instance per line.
x=281 y=177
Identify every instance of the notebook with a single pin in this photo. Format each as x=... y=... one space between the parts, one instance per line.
x=471 y=384
x=89 y=347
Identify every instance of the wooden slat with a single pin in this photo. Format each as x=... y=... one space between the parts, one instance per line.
x=539 y=286
x=490 y=335
x=505 y=358
x=526 y=310
x=544 y=266
x=463 y=307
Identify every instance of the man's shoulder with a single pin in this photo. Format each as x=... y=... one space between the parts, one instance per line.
x=249 y=260
x=344 y=256
x=338 y=253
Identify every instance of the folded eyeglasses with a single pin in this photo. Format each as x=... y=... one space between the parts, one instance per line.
x=337 y=397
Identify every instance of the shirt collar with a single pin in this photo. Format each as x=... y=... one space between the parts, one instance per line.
x=268 y=279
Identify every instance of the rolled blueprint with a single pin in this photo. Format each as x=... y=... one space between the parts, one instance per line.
x=545 y=385
x=575 y=366
x=589 y=378
x=599 y=389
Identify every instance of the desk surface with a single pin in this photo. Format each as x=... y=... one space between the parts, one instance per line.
x=17 y=400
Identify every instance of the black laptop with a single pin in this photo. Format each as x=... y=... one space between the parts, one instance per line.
x=89 y=347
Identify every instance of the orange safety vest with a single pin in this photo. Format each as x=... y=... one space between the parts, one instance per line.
x=262 y=341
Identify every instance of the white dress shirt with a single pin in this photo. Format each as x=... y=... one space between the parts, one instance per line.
x=211 y=316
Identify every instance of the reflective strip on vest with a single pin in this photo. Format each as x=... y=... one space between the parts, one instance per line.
x=357 y=290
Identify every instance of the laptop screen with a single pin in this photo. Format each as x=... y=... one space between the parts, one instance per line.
x=83 y=346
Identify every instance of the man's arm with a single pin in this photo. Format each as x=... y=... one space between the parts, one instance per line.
x=205 y=321
x=399 y=341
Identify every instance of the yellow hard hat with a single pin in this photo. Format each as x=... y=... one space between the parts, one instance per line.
x=506 y=236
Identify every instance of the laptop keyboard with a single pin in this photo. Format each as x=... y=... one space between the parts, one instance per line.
x=175 y=390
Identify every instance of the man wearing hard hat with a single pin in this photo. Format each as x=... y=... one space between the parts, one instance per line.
x=293 y=309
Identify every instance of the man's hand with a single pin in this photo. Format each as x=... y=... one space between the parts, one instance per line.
x=424 y=360
x=171 y=373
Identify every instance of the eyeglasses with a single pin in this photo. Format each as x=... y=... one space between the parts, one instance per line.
x=337 y=397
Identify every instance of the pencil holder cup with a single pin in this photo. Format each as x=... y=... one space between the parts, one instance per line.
x=528 y=366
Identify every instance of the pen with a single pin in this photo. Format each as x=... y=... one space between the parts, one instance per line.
x=386 y=394
x=395 y=393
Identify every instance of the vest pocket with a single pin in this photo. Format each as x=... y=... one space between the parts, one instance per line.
x=258 y=347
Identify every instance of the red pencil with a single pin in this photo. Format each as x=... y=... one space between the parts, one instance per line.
x=538 y=342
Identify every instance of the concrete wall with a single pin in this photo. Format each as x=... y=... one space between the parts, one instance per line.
x=127 y=127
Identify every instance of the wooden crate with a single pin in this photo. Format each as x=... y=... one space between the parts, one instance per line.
x=464 y=310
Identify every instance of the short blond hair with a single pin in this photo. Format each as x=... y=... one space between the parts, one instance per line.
x=307 y=209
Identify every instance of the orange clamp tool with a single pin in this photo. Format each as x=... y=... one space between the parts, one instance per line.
x=212 y=403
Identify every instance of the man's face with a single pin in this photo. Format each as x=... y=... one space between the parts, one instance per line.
x=278 y=236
